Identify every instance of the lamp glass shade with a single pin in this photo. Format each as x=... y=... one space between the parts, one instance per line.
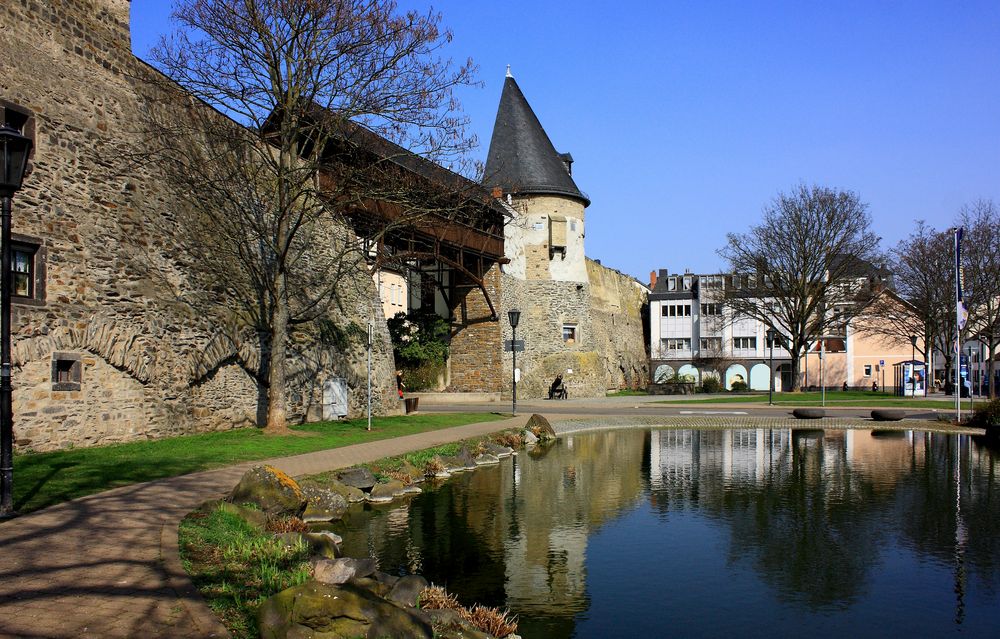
x=514 y=316
x=913 y=340
x=14 y=152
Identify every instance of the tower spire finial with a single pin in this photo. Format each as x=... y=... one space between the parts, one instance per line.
x=508 y=72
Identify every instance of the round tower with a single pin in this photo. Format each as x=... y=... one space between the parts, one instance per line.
x=544 y=238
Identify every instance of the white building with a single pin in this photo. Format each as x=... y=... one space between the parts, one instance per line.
x=694 y=335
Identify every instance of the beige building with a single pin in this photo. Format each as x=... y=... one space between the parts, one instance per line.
x=864 y=355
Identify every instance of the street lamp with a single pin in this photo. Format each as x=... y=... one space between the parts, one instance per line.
x=771 y=334
x=14 y=151
x=913 y=365
x=514 y=316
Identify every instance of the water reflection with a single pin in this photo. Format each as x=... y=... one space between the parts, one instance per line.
x=839 y=528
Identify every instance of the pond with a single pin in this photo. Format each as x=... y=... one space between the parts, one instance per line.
x=646 y=533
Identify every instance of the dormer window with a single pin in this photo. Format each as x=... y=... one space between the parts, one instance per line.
x=567 y=161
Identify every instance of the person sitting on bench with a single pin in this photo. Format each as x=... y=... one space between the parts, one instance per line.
x=558 y=390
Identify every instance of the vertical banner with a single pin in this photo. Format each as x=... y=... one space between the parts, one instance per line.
x=962 y=313
x=961 y=317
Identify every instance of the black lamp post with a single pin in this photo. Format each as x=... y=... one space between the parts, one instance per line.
x=771 y=334
x=14 y=151
x=913 y=365
x=514 y=316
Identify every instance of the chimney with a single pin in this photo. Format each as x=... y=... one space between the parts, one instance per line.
x=652 y=279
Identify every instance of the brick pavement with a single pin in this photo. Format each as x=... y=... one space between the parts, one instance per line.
x=107 y=565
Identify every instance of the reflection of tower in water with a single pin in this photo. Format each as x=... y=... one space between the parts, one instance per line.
x=553 y=513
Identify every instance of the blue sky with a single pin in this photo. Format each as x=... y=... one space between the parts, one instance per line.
x=685 y=118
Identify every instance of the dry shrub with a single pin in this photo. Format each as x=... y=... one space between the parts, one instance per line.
x=510 y=439
x=492 y=621
x=399 y=475
x=434 y=466
x=437 y=598
x=286 y=524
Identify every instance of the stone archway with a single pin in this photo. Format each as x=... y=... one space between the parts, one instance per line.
x=663 y=373
x=759 y=375
x=735 y=373
x=689 y=370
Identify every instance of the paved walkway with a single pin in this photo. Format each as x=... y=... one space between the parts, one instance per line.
x=107 y=565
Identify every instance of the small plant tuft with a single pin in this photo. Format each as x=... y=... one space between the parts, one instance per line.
x=492 y=621
x=510 y=439
x=434 y=466
x=286 y=524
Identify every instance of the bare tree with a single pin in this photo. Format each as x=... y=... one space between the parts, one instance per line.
x=981 y=252
x=922 y=267
x=810 y=263
x=333 y=98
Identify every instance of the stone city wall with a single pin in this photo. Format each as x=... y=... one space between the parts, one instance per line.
x=617 y=303
x=610 y=351
x=145 y=363
x=474 y=353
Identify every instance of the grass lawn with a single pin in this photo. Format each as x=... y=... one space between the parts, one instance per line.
x=44 y=479
x=833 y=398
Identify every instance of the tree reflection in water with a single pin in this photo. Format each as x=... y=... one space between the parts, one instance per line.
x=824 y=520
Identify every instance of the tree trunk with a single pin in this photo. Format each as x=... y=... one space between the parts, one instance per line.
x=277 y=421
x=989 y=370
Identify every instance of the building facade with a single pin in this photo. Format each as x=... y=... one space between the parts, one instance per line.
x=694 y=335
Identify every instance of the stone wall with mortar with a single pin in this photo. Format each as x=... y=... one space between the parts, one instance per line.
x=610 y=351
x=474 y=353
x=617 y=303
x=115 y=283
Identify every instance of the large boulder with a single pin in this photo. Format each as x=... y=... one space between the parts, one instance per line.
x=333 y=612
x=271 y=490
x=320 y=544
x=350 y=493
x=383 y=493
x=340 y=571
x=499 y=451
x=540 y=428
x=322 y=504
x=487 y=459
x=360 y=478
x=406 y=591
x=256 y=518
x=448 y=624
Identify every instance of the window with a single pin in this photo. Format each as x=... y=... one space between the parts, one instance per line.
x=744 y=343
x=22 y=272
x=868 y=370
x=569 y=333
x=676 y=310
x=711 y=344
x=711 y=281
x=711 y=309
x=27 y=270
x=67 y=371
x=676 y=344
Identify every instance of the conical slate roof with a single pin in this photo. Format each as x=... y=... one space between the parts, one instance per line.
x=521 y=157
